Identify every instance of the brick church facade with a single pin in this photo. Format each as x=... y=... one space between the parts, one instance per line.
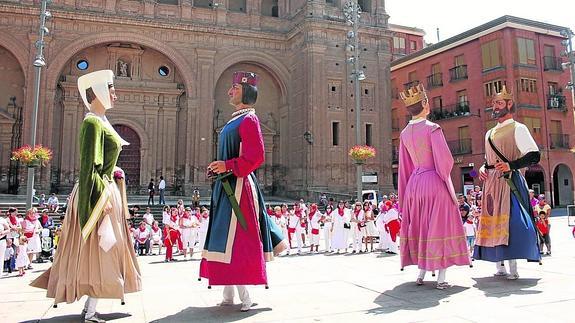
x=173 y=61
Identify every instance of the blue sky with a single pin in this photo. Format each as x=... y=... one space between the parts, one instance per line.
x=453 y=17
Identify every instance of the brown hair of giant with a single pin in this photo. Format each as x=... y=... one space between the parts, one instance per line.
x=415 y=109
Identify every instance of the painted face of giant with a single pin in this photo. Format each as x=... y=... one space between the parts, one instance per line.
x=500 y=108
x=235 y=94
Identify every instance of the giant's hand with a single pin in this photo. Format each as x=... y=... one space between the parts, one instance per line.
x=217 y=167
x=483 y=173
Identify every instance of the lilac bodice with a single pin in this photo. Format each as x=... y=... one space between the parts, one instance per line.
x=422 y=149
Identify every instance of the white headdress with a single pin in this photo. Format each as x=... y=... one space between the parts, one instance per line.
x=99 y=82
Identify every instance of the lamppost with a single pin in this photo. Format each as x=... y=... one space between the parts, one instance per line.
x=39 y=63
x=352 y=13
x=570 y=64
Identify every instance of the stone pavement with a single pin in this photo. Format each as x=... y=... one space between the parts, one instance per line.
x=330 y=288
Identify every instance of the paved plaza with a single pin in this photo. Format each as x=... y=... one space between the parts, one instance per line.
x=329 y=288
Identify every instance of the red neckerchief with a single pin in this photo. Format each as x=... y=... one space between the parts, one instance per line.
x=186 y=215
x=328 y=212
x=13 y=219
x=298 y=213
x=156 y=229
x=205 y=215
x=470 y=222
x=142 y=229
x=173 y=217
x=44 y=219
x=279 y=216
x=312 y=213
x=356 y=212
x=340 y=211
x=197 y=215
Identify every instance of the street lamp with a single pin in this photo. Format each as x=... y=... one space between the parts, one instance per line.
x=39 y=63
x=352 y=13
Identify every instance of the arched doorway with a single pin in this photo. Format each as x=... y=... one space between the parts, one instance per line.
x=562 y=185
x=11 y=111
x=129 y=159
x=535 y=178
x=149 y=87
x=267 y=107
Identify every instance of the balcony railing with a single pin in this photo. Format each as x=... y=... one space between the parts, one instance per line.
x=558 y=141
x=460 y=109
x=394 y=155
x=434 y=80
x=410 y=84
x=556 y=102
x=460 y=147
x=551 y=63
x=458 y=73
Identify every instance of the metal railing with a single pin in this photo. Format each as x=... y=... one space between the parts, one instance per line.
x=435 y=80
x=552 y=63
x=451 y=111
x=460 y=147
x=410 y=84
x=395 y=124
x=458 y=73
x=559 y=140
x=556 y=102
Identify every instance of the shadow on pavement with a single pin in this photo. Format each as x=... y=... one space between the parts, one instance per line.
x=212 y=314
x=409 y=296
x=501 y=287
x=77 y=318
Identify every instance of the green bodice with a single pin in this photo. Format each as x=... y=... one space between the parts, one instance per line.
x=99 y=151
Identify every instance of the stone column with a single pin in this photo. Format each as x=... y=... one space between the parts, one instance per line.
x=255 y=12
x=383 y=100
x=317 y=102
x=203 y=126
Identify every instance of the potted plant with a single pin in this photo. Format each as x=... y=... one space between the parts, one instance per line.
x=361 y=153
x=32 y=157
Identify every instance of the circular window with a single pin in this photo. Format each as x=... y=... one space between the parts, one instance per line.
x=164 y=71
x=82 y=64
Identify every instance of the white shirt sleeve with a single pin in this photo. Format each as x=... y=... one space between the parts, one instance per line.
x=524 y=140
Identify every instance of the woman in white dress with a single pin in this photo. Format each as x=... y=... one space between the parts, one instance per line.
x=32 y=227
x=156 y=238
x=369 y=225
x=204 y=222
x=327 y=221
x=358 y=227
x=189 y=229
x=341 y=226
x=380 y=224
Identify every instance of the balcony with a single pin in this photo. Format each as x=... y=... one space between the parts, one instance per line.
x=410 y=84
x=460 y=147
x=394 y=155
x=458 y=73
x=556 y=102
x=460 y=109
x=395 y=124
x=551 y=63
x=559 y=141
x=434 y=80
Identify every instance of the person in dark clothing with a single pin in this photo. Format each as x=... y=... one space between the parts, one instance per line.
x=151 y=191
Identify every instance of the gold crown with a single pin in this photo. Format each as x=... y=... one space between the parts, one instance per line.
x=413 y=95
x=503 y=95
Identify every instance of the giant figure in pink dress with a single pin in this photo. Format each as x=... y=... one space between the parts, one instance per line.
x=431 y=233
